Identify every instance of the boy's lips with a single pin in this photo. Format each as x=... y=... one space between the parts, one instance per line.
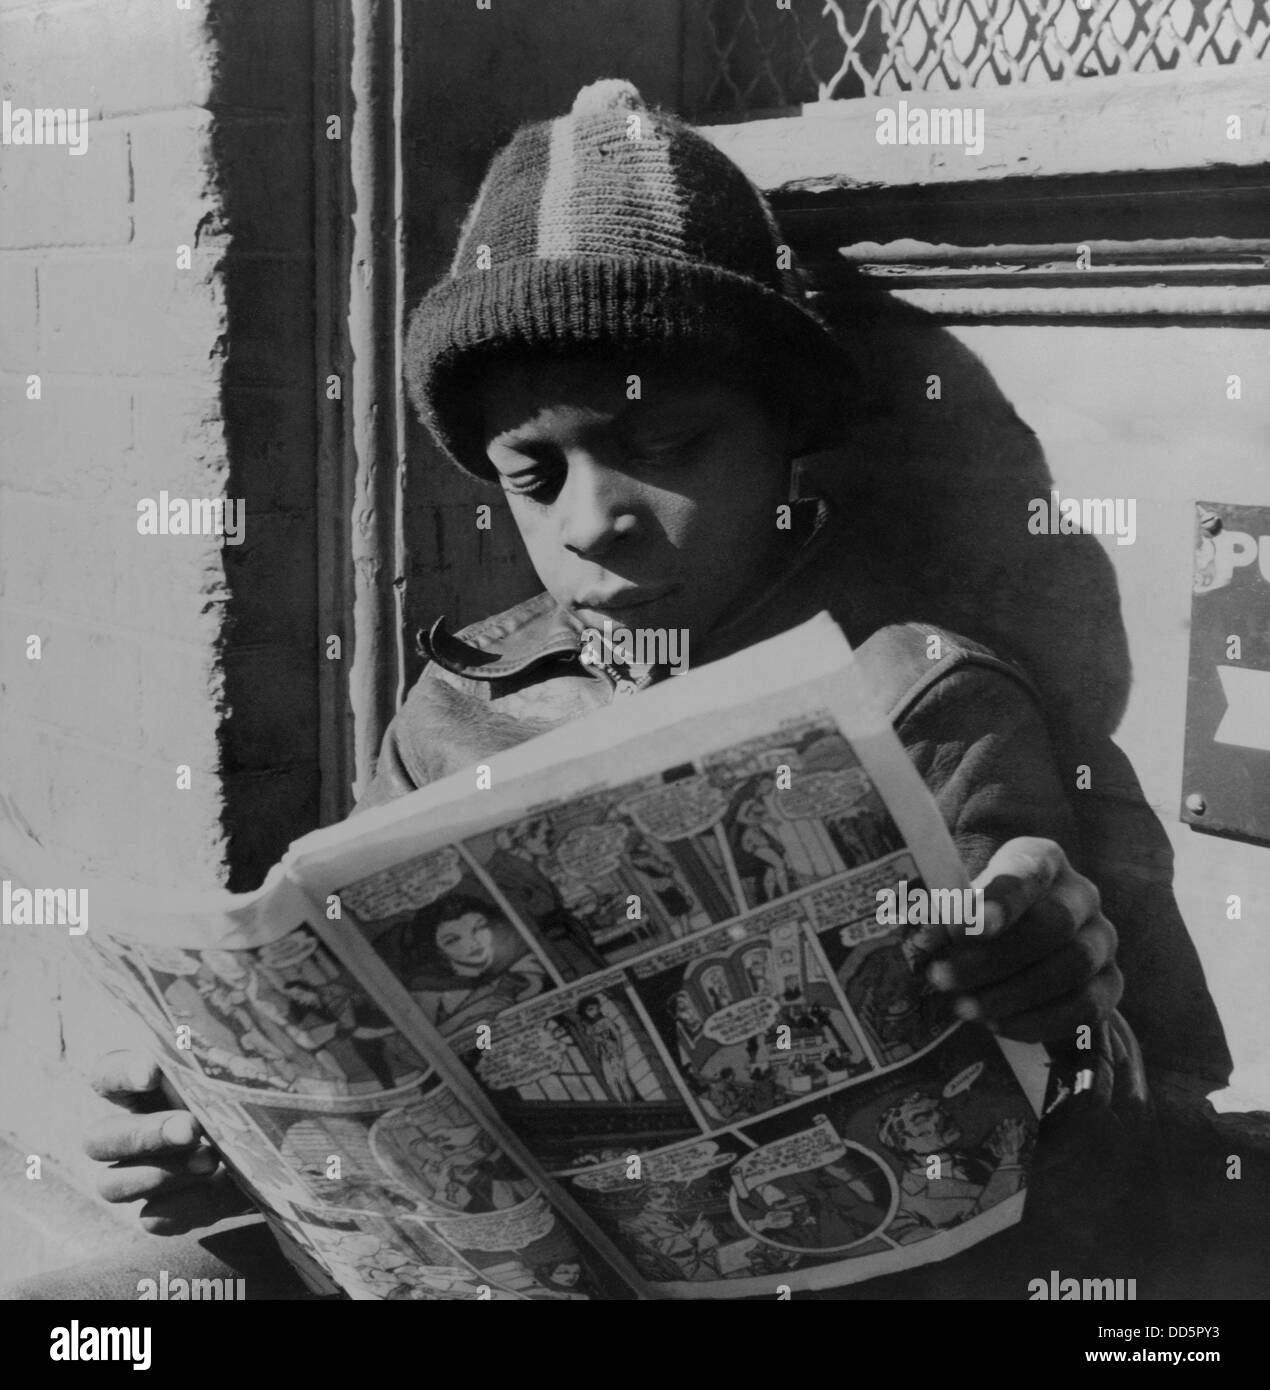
x=623 y=601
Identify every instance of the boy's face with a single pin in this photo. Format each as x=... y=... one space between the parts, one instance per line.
x=653 y=513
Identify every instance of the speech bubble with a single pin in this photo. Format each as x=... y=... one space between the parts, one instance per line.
x=511 y=1229
x=964 y=1080
x=679 y=1165
x=851 y=899
x=687 y=807
x=859 y=932
x=795 y=1153
x=522 y=1058
x=165 y=958
x=747 y=1018
x=290 y=951
x=815 y=795
x=589 y=852
x=404 y=887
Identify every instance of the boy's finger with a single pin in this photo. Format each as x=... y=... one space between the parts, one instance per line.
x=1017 y=875
x=178 y=1213
x=970 y=964
x=130 y=1182
x=1059 y=975
x=126 y=1078
x=1026 y=871
x=143 y=1136
x=1058 y=1020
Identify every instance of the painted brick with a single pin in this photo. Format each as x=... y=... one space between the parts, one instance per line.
x=130 y=314
x=111 y=56
x=271 y=433
x=269 y=303
x=54 y=198
x=70 y=443
x=272 y=576
x=183 y=441
x=178 y=441
x=74 y=659
x=120 y=818
x=268 y=202
x=92 y=565
x=19 y=336
x=275 y=724
x=201 y=383
x=174 y=200
x=264 y=812
x=179 y=704
x=263 y=54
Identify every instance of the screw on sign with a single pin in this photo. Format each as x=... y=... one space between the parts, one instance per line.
x=1226 y=772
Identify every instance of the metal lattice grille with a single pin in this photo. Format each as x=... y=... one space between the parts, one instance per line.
x=768 y=57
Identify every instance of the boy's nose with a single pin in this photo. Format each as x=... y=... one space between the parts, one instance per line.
x=598 y=508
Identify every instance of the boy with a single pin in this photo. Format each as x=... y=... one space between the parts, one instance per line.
x=619 y=348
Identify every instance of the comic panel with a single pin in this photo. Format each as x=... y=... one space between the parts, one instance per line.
x=283 y=1017
x=246 y=1147
x=450 y=1164
x=331 y=1157
x=444 y=936
x=753 y=1024
x=581 y=1063
x=859 y=1173
x=881 y=971
x=800 y=809
x=954 y=1129
x=528 y=1250
x=373 y=1258
x=609 y=876
x=672 y=1214
x=809 y=1190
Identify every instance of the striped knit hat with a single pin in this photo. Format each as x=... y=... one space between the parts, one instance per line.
x=617 y=226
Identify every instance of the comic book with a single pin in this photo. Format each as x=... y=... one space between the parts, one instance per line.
x=634 y=1010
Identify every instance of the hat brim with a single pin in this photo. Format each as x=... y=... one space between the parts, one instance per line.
x=635 y=306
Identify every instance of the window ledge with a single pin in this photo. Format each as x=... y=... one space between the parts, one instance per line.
x=1147 y=122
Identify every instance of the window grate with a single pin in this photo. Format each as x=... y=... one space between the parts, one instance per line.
x=765 y=57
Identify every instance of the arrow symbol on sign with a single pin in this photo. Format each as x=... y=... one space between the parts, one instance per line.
x=1246 y=722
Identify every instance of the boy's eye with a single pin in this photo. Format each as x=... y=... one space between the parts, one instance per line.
x=540 y=483
x=667 y=447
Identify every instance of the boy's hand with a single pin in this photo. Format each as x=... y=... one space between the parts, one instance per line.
x=1046 y=960
x=157 y=1154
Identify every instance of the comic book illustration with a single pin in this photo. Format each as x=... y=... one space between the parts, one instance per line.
x=669 y=978
x=627 y=1021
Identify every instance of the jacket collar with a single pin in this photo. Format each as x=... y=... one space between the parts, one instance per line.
x=539 y=630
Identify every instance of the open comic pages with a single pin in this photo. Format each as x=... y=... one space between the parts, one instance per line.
x=611 y=1016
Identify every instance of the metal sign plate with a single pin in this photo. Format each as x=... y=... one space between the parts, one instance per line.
x=1226 y=772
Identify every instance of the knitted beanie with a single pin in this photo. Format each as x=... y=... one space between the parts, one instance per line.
x=617 y=227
